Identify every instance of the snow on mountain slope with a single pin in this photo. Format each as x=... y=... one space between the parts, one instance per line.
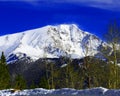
x=51 y=42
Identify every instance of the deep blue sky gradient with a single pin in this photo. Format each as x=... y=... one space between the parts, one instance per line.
x=21 y=16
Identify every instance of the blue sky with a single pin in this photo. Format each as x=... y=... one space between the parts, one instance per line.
x=90 y=15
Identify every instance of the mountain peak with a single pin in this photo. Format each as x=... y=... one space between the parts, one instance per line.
x=67 y=25
x=50 y=42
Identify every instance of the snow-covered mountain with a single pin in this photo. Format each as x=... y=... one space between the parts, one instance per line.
x=51 y=42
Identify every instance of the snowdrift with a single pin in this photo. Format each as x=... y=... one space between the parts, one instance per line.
x=62 y=92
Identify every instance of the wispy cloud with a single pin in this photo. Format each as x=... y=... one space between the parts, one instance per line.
x=103 y=4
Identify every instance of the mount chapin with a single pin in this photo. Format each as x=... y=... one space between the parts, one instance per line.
x=50 y=42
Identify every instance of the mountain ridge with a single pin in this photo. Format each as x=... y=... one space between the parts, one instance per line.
x=50 y=42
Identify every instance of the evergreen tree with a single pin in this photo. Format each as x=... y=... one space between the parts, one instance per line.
x=20 y=82
x=32 y=86
x=4 y=73
x=43 y=83
x=3 y=59
x=50 y=75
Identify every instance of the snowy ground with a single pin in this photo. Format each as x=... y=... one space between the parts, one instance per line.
x=62 y=92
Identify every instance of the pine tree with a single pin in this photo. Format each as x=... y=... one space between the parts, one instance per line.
x=3 y=59
x=4 y=73
x=20 y=82
x=43 y=83
x=32 y=86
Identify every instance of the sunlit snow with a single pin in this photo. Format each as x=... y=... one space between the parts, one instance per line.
x=100 y=91
x=51 y=41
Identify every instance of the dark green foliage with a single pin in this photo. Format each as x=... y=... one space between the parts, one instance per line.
x=20 y=82
x=32 y=86
x=113 y=38
x=3 y=59
x=4 y=77
x=77 y=76
x=4 y=73
x=43 y=83
x=84 y=73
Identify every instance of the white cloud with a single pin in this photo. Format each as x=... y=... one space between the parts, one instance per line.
x=104 y=4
